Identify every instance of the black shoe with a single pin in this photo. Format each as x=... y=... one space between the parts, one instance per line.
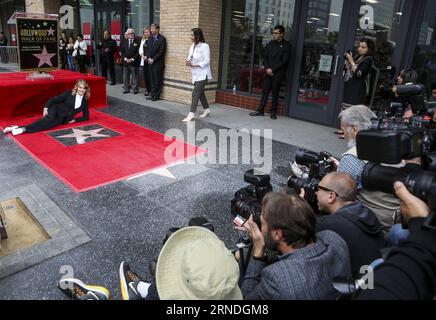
x=273 y=116
x=113 y=83
x=146 y=94
x=148 y=98
x=129 y=283
x=126 y=91
x=257 y=113
x=77 y=290
x=135 y=91
x=154 y=99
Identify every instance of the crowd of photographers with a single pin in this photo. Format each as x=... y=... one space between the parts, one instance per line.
x=359 y=227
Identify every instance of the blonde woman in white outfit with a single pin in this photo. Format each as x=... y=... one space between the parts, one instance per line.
x=199 y=61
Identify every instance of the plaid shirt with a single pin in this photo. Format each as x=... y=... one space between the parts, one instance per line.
x=353 y=166
x=304 y=274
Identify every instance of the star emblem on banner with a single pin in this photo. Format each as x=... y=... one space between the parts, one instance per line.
x=45 y=24
x=44 y=57
x=51 y=31
x=82 y=135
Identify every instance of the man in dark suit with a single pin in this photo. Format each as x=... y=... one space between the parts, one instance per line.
x=156 y=60
x=107 y=48
x=275 y=60
x=130 y=56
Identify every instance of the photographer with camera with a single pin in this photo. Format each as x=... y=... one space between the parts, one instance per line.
x=355 y=223
x=307 y=263
x=408 y=272
x=404 y=78
x=385 y=206
x=356 y=70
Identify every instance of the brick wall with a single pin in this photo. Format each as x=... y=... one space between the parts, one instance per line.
x=177 y=18
x=245 y=101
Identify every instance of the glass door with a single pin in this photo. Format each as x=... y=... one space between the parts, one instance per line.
x=318 y=62
x=109 y=18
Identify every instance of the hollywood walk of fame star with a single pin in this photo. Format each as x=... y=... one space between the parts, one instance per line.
x=82 y=135
x=44 y=57
x=51 y=31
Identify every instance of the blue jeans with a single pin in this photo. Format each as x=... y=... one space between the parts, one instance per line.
x=397 y=235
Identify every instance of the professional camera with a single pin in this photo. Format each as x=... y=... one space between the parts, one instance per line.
x=390 y=147
x=319 y=164
x=248 y=200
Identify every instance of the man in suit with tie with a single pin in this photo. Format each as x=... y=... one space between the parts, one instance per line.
x=156 y=61
x=130 y=56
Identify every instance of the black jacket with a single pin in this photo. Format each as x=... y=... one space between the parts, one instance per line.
x=157 y=49
x=409 y=271
x=132 y=52
x=64 y=104
x=360 y=229
x=276 y=56
x=107 y=44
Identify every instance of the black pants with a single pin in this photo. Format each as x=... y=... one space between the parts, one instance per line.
x=146 y=72
x=270 y=84
x=81 y=61
x=156 y=80
x=108 y=64
x=52 y=119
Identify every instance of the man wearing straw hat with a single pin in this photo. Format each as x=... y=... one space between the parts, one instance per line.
x=192 y=265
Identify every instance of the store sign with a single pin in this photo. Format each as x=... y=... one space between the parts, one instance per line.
x=367 y=20
x=67 y=17
x=37 y=43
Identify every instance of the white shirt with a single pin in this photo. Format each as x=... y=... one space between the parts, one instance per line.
x=78 y=102
x=200 y=55
x=82 y=47
x=141 y=51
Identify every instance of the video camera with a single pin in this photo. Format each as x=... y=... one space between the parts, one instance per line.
x=248 y=200
x=391 y=147
x=319 y=165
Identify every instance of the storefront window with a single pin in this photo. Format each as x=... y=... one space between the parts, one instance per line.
x=68 y=17
x=7 y=9
x=87 y=26
x=237 y=44
x=156 y=11
x=274 y=13
x=424 y=59
x=380 y=21
x=138 y=15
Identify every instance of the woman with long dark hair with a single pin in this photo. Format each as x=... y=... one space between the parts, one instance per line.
x=199 y=62
x=60 y=110
x=356 y=71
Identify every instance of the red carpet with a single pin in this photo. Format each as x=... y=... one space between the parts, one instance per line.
x=22 y=98
x=133 y=151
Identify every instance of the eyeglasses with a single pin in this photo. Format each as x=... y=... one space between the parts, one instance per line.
x=328 y=190
x=276 y=33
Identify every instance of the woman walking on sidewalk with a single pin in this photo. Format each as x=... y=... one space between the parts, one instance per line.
x=199 y=61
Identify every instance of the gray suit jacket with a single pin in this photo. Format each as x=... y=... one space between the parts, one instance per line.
x=304 y=274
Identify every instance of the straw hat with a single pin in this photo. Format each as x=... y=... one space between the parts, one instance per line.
x=194 y=264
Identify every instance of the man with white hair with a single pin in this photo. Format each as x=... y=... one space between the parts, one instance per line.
x=385 y=206
x=130 y=57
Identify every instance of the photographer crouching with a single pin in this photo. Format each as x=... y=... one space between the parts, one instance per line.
x=385 y=206
x=355 y=223
x=308 y=261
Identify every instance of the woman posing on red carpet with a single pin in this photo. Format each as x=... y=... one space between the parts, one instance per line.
x=60 y=110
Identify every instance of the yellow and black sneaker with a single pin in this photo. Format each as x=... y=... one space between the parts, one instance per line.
x=77 y=290
x=129 y=283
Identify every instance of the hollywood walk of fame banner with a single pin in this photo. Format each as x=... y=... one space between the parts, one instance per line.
x=37 y=44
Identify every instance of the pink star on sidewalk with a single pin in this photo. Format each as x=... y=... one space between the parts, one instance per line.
x=44 y=57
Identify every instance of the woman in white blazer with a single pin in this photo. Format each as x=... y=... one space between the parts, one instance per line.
x=199 y=62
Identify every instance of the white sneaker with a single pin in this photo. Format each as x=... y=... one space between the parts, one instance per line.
x=206 y=113
x=17 y=131
x=9 y=129
x=189 y=117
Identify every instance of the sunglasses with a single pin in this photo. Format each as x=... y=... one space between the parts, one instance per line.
x=328 y=190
